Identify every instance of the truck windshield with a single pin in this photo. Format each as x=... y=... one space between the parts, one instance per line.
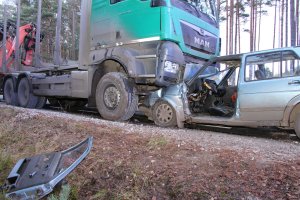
x=204 y=9
x=204 y=6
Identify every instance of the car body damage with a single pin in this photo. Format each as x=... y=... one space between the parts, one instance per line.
x=255 y=89
x=36 y=177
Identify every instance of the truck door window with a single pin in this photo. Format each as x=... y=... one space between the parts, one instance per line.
x=115 y=1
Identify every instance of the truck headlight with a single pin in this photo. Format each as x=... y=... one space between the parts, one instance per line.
x=171 y=67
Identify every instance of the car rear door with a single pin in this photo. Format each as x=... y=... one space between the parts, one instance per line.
x=270 y=81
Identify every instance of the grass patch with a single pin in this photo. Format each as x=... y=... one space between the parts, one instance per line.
x=100 y=195
x=157 y=142
x=63 y=195
x=6 y=164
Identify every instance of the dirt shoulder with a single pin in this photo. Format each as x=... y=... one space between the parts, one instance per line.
x=131 y=161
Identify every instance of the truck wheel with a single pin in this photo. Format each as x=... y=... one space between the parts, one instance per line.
x=41 y=102
x=9 y=93
x=164 y=114
x=72 y=105
x=53 y=102
x=26 y=98
x=115 y=97
x=297 y=125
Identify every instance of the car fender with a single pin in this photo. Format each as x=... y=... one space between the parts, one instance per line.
x=290 y=112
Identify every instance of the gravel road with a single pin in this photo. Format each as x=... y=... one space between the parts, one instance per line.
x=260 y=143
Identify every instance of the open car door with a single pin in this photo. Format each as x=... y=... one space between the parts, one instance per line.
x=36 y=177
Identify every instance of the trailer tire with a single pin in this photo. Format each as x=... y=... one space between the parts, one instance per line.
x=10 y=96
x=53 y=102
x=72 y=105
x=164 y=115
x=41 y=102
x=115 y=97
x=26 y=98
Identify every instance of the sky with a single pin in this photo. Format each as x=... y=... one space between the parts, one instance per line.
x=267 y=27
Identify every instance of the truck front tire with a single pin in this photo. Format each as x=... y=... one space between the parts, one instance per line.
x=115 y=97
x=9 y=93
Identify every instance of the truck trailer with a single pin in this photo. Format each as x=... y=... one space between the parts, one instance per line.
x=127 y=50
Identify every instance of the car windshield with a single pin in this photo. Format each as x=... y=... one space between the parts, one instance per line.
x=219 y=77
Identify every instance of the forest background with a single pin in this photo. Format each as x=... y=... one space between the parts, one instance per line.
x=246 y=25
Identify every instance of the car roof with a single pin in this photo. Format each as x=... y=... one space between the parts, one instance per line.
x=234 y=57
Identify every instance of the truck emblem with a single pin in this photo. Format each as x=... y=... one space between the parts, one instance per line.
x=201 y=32
x=201 y=42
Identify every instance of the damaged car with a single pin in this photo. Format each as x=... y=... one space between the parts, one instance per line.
x=256 y=89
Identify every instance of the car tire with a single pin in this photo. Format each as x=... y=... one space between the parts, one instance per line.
x=26 y=98
x=10 y=96
x=297 y=125
x=164 y=115
x=115 y=97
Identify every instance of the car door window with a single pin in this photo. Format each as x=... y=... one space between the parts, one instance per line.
x=272 y=65
x=290 y=64
x=263 y=66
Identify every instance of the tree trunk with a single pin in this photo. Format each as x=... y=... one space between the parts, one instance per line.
x=275 y=22
x=227 y=28
x=293 y=23
x=251 y=24
x=259 y=24
x=297 y=22
x=231 y=27
x=236 y=27
x=286 y=23
x=281 y=23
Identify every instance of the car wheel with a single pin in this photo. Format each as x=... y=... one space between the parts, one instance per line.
x=297 y=125
x=10 y=96
x=26 y=98
x=115 y=97
x=164 y=114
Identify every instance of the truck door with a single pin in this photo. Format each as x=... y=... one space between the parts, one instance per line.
x=124 y=21
x=270 y=81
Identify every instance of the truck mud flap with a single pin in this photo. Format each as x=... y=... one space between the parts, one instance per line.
x=36 y=177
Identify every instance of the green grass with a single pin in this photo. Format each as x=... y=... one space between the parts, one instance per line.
x=6 y=164
x=157 y=142
x=63 y=195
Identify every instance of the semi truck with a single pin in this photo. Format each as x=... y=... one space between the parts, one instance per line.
x=127 y=50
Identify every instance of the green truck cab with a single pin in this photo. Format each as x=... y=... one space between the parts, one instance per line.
x=150 y=41
x=177 y=31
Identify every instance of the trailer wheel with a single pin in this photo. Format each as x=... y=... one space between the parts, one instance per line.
x=41 y=102
x=26 y=98
x=115 y=97
x=9 y=93
x=72 y=105
x=164 y=114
